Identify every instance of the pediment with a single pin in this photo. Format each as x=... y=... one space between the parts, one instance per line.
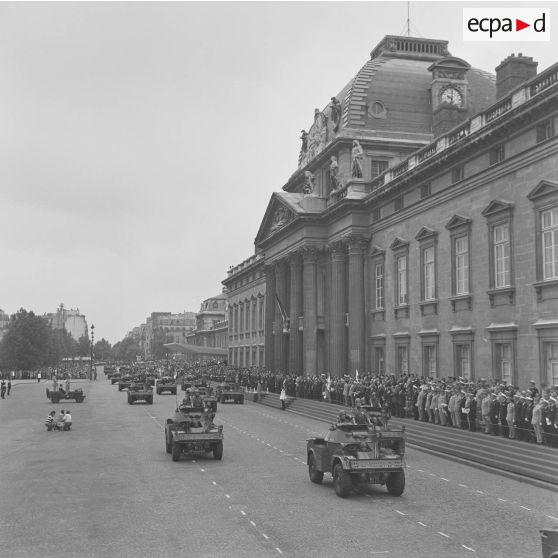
x=496 y=206
x=399 y=243
x=426 y=233
x=457 y=221
x=543 y=188
x=278 y=215
x=376 y=251
x=450 y=63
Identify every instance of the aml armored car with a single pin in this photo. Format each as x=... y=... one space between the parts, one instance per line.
x=230 y=392
x=190 y=430
x=125 y=382
x=370 y=453
x=140 y=392
x=166 y=384
x=209 y=397
x=57 y=396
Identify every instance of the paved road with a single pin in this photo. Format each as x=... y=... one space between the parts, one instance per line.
x=109 y=489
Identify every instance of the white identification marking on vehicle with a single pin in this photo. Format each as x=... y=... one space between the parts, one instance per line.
x=400 y=512
x=468 y=548
x=442 y=478
x=242 y=512
x=463 y=485
x=421 y=523
x=265 y=536
x=443 y=534
x=523 y=507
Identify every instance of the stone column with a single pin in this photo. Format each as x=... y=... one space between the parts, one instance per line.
x=295 y=310
x=309 y=259
x=269 y=317
x=280 y=337
x=337 y=340
x=356 y=304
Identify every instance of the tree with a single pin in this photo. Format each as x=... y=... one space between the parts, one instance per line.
x=127 y=349
x=158 y=350
x=84 y=346
x=28 y=342
x=102 y=350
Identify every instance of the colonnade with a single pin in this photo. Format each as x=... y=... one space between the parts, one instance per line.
x=325 y=331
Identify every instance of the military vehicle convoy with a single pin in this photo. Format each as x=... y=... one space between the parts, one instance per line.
x=191 y=430
x=230 y=392
x=208 y=396
x=357 y=454
x=140 y=392
x=125 y=382
x=57 y=396
x=166 y=384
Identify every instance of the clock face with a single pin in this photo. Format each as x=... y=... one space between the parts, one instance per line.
x=452 y=96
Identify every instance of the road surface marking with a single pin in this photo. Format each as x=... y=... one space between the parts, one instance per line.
x=202 y=470
x=252 y=523
x=227 y=495
x=242 y=512
x=528 y=509
x=214 y=483
x=420 y=470
x=447 y=480
x=400 y=512
x=265 y=536
x=468 y=548
x=463 y=485
x=421 y=523
x=552 y=517
x=501 y=500
x=443 y=534
x=479 y=491
x=279 y=550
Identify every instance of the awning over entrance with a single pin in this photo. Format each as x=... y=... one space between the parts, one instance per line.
x=196 y=349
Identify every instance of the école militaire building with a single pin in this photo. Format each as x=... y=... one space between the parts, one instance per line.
x=419 y=232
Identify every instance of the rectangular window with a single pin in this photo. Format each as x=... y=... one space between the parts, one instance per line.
x=378 y=167
x=549 y=222
x=254 y=308
x=425 y=190
x=376 y=214
x=497 y=155
x=429 y=359
x=402 y=359
x=463 y=361
x=402 y=281
x=545 y=130
x=504 y=361
x=379 y=360
x=501 y=240
x=398 y=203
x=247 y=324
x=379 y=278
x=457 y=174
x=261 y=317
x=462 y=265
x=429 y=273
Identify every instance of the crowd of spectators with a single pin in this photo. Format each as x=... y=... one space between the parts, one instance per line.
x=491 y=407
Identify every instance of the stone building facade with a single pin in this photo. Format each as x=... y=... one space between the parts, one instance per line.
x=210 y=323
x=420 y=231
x=245 y=284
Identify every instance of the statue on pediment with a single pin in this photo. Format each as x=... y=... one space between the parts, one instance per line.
x=357 y=160
x=309 y=180
x=335 y=113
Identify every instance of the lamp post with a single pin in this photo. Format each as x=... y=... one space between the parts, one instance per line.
x=91 y=361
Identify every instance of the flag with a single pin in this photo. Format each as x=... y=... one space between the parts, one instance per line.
x=356 y=375
x=328 y=385
x=283 y=313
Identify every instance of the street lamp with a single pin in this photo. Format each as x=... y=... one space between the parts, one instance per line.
x=91 y=361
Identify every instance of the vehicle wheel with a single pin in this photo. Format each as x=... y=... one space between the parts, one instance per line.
x=119 y=388
x=55 y=399
x=168 y=445
x=130 y=400
x=218 y=450
x=175 y=450
x=79 y=399
x=150 y=400
x=241 y=401
x=315 y=475
x=341 y=481
x=396 y=483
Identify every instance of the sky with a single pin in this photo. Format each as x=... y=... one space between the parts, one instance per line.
x=140 y=143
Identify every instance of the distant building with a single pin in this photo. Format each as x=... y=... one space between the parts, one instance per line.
x=69 y=319
x=4 y=323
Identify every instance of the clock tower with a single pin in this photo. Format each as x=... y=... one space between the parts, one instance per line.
x=449 y=94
